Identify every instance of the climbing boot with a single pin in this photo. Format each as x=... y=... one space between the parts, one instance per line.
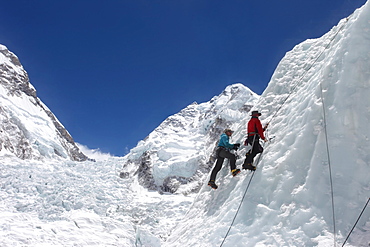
x=235 y=172
x=212 y=184
x=249 y=166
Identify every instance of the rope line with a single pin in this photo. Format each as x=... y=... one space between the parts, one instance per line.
x=241 y=202
x=356 y=221
x=237 y=211
x=329 y=163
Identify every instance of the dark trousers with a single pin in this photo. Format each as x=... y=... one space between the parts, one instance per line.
x=256 y=149
x=222 y=154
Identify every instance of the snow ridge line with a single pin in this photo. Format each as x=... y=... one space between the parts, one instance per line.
x=309 y=68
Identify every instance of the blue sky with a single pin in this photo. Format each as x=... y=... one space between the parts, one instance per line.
x=113 y=70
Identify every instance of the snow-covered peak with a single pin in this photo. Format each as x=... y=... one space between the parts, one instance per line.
x=28 y=129
x=177 y=155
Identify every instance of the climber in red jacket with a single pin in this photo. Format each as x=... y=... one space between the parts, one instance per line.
x=255 y=132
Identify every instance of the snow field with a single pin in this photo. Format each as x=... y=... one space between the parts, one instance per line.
x=59 y=203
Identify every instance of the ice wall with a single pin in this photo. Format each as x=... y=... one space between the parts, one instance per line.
x=313 y=178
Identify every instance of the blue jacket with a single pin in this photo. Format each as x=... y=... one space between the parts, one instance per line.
x=224 y=141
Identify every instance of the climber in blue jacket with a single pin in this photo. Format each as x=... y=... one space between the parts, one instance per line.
x=223 y=151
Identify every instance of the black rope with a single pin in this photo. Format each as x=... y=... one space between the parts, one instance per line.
x=237 y=211
x=356 y=221
x=329 y=163
x=241 y=202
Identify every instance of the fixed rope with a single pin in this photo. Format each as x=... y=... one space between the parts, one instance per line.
x=356 y=221
x=241 y=202
x=329 y=163
x=326 y=134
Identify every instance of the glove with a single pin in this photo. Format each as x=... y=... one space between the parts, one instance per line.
x=236 y=146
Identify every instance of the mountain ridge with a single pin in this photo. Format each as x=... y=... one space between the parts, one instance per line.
x=20 y=103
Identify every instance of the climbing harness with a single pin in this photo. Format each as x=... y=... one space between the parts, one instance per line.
x=254 y=139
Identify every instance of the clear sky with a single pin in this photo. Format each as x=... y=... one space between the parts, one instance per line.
x=113 y=70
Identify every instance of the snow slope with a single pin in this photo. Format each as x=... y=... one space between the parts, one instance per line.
x=68 y=203
x=319 y=109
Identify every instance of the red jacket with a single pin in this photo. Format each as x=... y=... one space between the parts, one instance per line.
x=252 y=125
